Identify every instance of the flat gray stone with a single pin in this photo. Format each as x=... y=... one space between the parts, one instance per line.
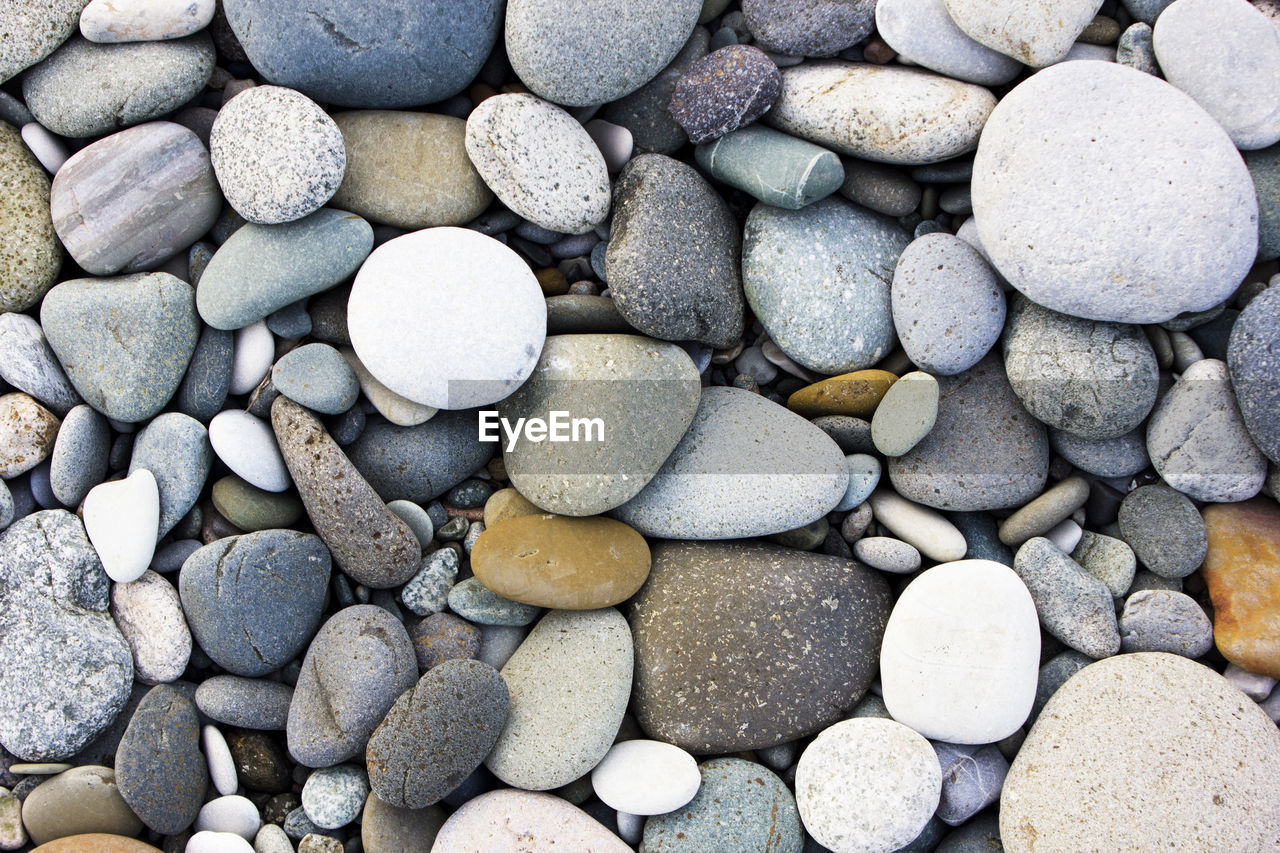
x=175 y=448
x=28 y=364
x=1159 y=216
x=1122 y=456
x=924 y=32
x=1162 y=620
x=80 y=455
x=318 y=377
x=1073 y=605
x=1264 y=168
x=247 y=703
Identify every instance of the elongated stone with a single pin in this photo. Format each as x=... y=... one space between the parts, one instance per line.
x=134 y=199
x=29 y=254
x=775 y=167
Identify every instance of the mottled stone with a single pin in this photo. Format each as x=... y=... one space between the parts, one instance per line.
x=27 y=434
x=723 y=91
x=1163 y=620
x=1037 y=33
x=160 y=771
x=80 y=800
x=80 y=455
x=775 y=167
x=1240 y=569
x=1255 y=372
x=1164 y=529
x=33 y=30
x=175 y=449
x=809 y=27
x=251 y=703
x=30 y=256
x=924 y=32
x=1073 y=605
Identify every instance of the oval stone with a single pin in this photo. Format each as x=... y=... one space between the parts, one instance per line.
x=1145 y=746
x=561 y=563
x=160 y=770
x=961 y=653
x=1158 y=215
x=1037 y=33
x=1255 y=339
x=80 y=800
x=30 y=256
x=645 y=777
x=746 y=467
x=1243 y=539
x=509 y=821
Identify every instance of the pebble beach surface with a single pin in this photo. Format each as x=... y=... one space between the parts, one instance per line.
x=666 y=426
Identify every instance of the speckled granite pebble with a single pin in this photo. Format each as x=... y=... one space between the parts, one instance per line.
x=723 y=91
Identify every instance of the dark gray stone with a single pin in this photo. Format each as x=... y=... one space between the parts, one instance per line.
x=809 y=27
x=971 y=779
x=160 y=771
x=420 y=463
x=725 y=90
x=208 y=378
x=1164 y=529
x=1163 y=620
x=1253 y=356
x=79 y=459
x=1073 y=605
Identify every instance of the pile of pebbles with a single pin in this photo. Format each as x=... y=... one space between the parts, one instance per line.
x=935 y=346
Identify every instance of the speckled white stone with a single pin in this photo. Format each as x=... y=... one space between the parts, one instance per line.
x=122 y=518
x=149 y=614
x=112 y=21
x=1035 y=32
x=253 y=352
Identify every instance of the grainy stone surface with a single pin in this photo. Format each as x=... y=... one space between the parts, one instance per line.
x=725 y=90
x=160 y=771
x=30 y=256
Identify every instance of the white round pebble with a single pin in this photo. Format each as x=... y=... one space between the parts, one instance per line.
x=49 y=149
x=961 y=653
x=447 y=317
x=272 y=839
x=217 y=842
x=121 y=518
x=867 y=785
x=247 y=446
x=926 y=529
x=231 y=814
x=255 y=349
x=864 y=476
x=222 y=767
x=113 y=21
x=614 y=142
x=646 y=777
x=149 y=614
x=333 y=797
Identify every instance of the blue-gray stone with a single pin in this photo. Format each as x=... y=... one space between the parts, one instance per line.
x=1253 y=356
x=421 y=462
x=478 y=604
x=247 y=703
x=428 y=591
x=318 y=377
x=208 y=379
x=1053 y=674
x=727 y=89
x=169 y=558
x=1072 y=604
x=777 y=168
x=291 y=321
x=253 y=601
x=740 y=806
x=818 y=279
x=1136 y=50
x=980 y=835
x=1264 y=168
x=397 y=53
x=1122 y=456
x=262 y=268
x=981 y=532
x=160 y=771
x=79 y=459
x=348 y=426
x=175 y=448
x=124 y=342
x=28 y=364
x=972 y=776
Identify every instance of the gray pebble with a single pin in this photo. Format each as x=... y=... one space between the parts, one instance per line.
x=247 y=703
x=1053 y=674
x=971 y=779
x=725 y=90
x=887 y=554
x=334 y=796
x=79 y=460
x=1121 y=456
x=208 y=378
x=1073 y=605
x=880 y=187
x=1165 y=621
x=28 y=364
x=1135 y=49
x=421 y=462
x=428 y=590
x=291 y=321
x=1253 y=357
x=318 y=377
x=1108 y=559
x=175 y=448
x=471 y=600
x=809 y=27
x=1164 y=529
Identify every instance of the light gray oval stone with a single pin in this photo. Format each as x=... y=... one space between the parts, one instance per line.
x=175 y=448
x=28 y=364
x=1162 y=620
x=924 y=32
x=79 y=458
x=318 y=377
x=1158 y=215
x=1035 y=32
x=1073 y=605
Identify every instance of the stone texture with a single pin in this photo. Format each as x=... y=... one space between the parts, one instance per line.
x=1145 y=746
x=775 y=167
x=80 y=800
x=1252 y=361
x=175 y=449
x=1163 y=620
x=672 y=259
x=1240 y=569
x=111 y=21
x=149 y=615
x=1164 y=529
x=367 y=540
x=695 y=623
x=725 y=90
x=924 y=32
x=34 y=30
x=809 y=27
x=644 y=112
x=1073 y=605
x=27 y=434
x=30 y=256
x=1036 y=33
x=883 y=113
x=160 y=771
x=508 y=821
x=1159 y=216
x=420 y=463
x=80 y=455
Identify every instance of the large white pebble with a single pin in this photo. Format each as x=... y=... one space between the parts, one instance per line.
x=931 y=534
x=247 y=446
x=961 y=653
x=217 y=842
x=233 y=814
x=113 y=21
x=867 y=785
x=149 y=614
x=121 y=518
x=255 y=349
x=222 y=766
x=646 y=777
x=447 y=317
x=539 y=162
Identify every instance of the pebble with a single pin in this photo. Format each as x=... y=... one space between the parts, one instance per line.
x=867 y=784
x=570 y=681
x=561 y=563
x=79 y=458
x=906 y=414
x=1250 y=358
x=278 y=156
x=723 y=91
x=800 y=474
x=222 y=767
x=437 y=734
x=672 y=262
x=122 y=518
x=1108 y=559
x=357 y=665
x=134 y=199
x=354 y=55
x=36 y=29
x=1135 y=49
x=28 y=432
x=1223 y=54
x=159 y=769
x=81 y=800
x=540 y=162
x=387 y=829
x=616 y=144
x=542 y=823
x=86 y=89
x=247 y=446
x=1122 y=456
x=924 y=32
x=401 y=317
x=318 y=377
x=1037 y=34
x=1198 y=441
x=1043 y=514
x=644 y=112
x=887 y=554
x=864 y=476
x=1165 y=621
x=961 y=653
x=103 y=843
x=1135 y=252
x=124 y=342
x=367 y=540
x=882 y=113
x=1242 y=541
x=1164 y=529
x=229 y=814
x=422 y=462
x=29 y=248
x=568 y=53
x=208 y=379
x=1074 y=606
x=216 y=842
x=739 y=805
x=1256 y=687
x=334 y=796
x=428 y=590
x=442 y=637
x=646 y=777
x=149 y=615
x=480 y=605
x=28 y=364
x=778 y=169
x=957 y=467
x=1181 y=733
x=175 y=449
x=825 y=301
x=408 y=169
x=261 y=269
x=808 y=27
x=835 y=611
x=112 y=21
x=971 y=780
x=855 y=394
x=1092 y=379
x=254 y=349
x=254 y=601
x=928 y=531
x=881 y=188
x=644 y=391
x=251 y=509
x=250 y=703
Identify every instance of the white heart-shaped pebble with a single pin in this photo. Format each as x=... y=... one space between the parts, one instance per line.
x=248 y=447
x=122 y=518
